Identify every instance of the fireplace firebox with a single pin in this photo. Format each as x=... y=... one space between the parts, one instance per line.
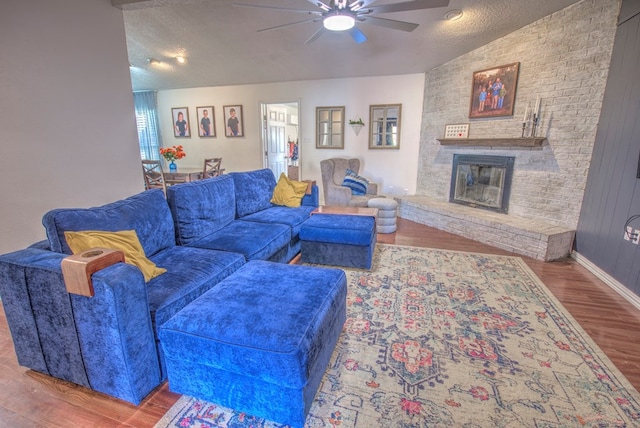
x=482 y=181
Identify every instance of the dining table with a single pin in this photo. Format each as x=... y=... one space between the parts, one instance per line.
x=182 y=175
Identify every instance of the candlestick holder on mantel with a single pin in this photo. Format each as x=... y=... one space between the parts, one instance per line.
x=534 y=124
x=534 y=117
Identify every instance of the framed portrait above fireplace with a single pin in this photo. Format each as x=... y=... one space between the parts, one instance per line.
x=493 y=91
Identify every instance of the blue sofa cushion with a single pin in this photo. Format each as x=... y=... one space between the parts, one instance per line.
x=340 y=229
x=190 y=273
x=254 y=190
x=256 y=241
x=202 y=207
x=147 y=213
x=292 y=217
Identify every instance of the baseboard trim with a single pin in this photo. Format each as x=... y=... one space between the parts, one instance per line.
x=618 y=287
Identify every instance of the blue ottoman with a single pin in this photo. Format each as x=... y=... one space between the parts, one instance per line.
x=260 y=341
x=339 y=240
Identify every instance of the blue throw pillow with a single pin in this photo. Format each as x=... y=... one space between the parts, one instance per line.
x=356 y=183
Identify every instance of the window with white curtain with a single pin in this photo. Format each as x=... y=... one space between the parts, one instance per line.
x=149 y=136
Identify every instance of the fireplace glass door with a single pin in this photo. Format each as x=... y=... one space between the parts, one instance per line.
x=481 y=181
x=480 y=184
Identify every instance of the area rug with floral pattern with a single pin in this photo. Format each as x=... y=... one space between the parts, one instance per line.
x=439 y=338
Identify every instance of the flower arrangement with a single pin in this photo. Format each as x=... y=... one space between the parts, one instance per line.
x=172 y=153
x=356 y=122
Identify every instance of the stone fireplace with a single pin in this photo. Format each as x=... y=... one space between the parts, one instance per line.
x=487 y=196
x=482 y=181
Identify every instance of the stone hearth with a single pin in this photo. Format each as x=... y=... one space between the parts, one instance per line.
x=524 y=236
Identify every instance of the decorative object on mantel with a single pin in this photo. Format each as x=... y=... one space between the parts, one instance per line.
x=356 y=125
x=493 y=142
x=535 y=119
x=455 y=131
x=493 y=91
x=172 y=154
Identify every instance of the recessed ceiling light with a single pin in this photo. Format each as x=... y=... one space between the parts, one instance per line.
x=453 y=15
x=154 y=61
x=181 y=59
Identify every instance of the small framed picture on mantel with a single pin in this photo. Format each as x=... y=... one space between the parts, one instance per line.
x=456 y=131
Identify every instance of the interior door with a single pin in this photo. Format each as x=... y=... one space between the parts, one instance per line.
x=276 y=143
x=279 y=130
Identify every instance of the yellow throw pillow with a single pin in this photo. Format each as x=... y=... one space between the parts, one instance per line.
x=125 y=240
x=288 y=193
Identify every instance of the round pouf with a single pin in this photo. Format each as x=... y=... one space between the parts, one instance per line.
x=386 y=220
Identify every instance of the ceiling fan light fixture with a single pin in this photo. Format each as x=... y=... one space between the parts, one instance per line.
x=339 y=22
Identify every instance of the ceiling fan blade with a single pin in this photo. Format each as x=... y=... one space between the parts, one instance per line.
x=284 y=9
x=288 y=25
x=389 y=23
x=408 y=5
x=357 y=35
x=315 y=35
x=321 y=4
x=355 y=5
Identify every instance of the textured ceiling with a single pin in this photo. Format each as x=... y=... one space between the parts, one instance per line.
x=223 y=46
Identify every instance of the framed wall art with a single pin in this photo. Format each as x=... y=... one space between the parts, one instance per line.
x=493 y=91
x=181 y=122
x=233 y=121
x=206 y=122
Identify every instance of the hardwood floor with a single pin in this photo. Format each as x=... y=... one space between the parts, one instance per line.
x=30 y=399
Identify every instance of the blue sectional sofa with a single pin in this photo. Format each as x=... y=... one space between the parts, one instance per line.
x=201 y=234
x=233 y=212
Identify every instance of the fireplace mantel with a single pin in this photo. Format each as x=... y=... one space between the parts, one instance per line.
x=492 y=142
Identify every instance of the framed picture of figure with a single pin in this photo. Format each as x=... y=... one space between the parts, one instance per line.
x=233 y=121
x=206 y=122
x=493 y=91
x=181 y=122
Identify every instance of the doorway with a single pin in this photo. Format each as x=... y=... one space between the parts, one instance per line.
x=280 y=138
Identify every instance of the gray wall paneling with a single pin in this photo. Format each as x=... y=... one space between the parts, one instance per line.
x=613 y=192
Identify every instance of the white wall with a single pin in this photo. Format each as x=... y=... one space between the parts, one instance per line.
x=389 y=168
x=67 y=127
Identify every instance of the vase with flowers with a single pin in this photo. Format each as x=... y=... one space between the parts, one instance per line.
x=172 y=154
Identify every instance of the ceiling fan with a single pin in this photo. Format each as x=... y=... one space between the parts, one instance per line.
x=342 y=15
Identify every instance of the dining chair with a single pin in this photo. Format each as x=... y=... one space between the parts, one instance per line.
x=153 y=175
x=212 y=168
